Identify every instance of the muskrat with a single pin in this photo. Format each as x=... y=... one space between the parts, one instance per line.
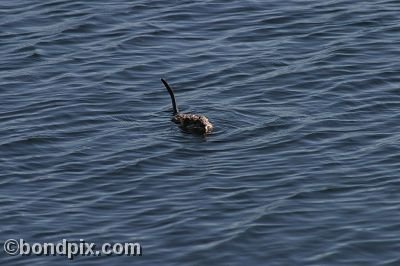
x=193 y=123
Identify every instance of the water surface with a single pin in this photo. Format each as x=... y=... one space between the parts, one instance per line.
x=302 y=168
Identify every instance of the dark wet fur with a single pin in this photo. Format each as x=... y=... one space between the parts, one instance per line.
x=188 y=122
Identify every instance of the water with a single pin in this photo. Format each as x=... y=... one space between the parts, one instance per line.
x=302 y=168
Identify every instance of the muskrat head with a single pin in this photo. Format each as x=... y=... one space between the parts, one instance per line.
x=204 y=124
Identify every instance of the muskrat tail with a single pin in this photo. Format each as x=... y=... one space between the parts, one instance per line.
x=171 y=93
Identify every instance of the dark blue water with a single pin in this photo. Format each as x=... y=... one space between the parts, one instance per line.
x=303 y=165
